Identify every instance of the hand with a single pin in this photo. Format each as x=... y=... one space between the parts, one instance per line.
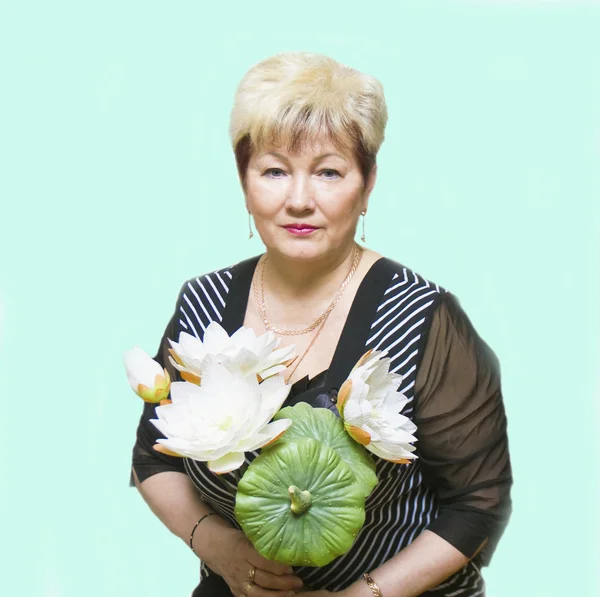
x=235 y=557
x=319 y=593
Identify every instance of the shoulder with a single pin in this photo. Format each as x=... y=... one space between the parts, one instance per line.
x=408 y=285
x=445 y=307
x=419 y=306
x=446 y=328
x=213 y=285
x=406 y=305
x=204 y=298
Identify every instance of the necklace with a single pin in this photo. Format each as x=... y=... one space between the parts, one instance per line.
x=287 y=380
x=259 y=295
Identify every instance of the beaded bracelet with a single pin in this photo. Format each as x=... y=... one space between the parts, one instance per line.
x=372 y=585
x=195 y=527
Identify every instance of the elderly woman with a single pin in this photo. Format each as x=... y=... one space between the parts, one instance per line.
x=306 y=131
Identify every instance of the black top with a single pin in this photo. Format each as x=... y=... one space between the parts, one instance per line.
x=463 y=459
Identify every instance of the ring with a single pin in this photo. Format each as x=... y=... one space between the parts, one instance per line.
x=251 y=574
x=247 y=587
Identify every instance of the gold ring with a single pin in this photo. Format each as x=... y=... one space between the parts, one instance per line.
x=247 y=587
x=251 y=574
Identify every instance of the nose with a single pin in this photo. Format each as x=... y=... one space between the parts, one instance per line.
x=300 y=196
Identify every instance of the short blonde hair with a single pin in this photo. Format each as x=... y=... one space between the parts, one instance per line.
x=292 y=98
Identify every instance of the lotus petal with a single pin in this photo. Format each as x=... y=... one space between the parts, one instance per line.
x=267 y=435
x=227 y=463
x=370 y=405
x=228 y=414
x=251 y=354
x=147 y=378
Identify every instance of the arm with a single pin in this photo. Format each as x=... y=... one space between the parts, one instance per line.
x=424 y=564
x=463 y=454
x=171 y=495
x=161 y=480
x=173 y=498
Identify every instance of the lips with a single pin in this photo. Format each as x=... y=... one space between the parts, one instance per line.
x=301 y=227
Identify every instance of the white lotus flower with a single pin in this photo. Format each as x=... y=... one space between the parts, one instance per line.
x=251 y=354
x=370 y=406
x=146 y=377
x=223 y=418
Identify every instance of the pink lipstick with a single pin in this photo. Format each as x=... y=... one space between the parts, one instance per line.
x=300 y=229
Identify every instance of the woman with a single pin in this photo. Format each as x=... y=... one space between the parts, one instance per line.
x=305 y=131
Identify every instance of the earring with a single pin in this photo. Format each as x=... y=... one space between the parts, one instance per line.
x=363 y=214
x=250 y=225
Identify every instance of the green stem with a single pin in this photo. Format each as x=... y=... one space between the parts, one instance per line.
x=301 y=500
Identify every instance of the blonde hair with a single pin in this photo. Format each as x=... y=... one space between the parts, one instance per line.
x=292 y=98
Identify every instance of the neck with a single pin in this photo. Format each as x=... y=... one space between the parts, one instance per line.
x=298 y=280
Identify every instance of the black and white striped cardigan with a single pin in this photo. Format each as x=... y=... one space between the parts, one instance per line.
x=391 y=311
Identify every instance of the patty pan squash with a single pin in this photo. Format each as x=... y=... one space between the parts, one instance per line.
x=300 y=504
x=323 y=425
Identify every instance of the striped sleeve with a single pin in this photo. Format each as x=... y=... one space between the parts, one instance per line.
x=145 y=460
x=200 y=300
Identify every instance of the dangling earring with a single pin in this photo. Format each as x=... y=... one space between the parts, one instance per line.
x=363 y=213
x=250 y=225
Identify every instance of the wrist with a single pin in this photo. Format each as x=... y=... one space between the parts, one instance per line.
x=373 y=586
x=198 y=523
x=360 y=588
x=215 y=543
x=202 y=539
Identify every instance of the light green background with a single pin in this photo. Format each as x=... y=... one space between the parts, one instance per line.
x=117 y=183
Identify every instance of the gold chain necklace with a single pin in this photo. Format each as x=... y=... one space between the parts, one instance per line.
x=262 y=308
x=287 y=380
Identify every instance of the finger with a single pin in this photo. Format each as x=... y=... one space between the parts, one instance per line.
x=285 y=582
x=253 y=590
x=256 y=560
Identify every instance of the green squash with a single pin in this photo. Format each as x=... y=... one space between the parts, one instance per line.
x=323 y=425
x=299 y=503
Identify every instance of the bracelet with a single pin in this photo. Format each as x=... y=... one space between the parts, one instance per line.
x=195 y=527
x=372 y=585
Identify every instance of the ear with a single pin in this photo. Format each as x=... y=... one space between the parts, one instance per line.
x=369 y=186
x=243 y=186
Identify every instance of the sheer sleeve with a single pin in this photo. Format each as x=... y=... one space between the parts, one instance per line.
x=462 y=433
x=145 y=460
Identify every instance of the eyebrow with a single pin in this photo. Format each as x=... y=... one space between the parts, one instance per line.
x=316 y=159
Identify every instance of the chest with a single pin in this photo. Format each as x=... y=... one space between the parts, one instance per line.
x=316 y=349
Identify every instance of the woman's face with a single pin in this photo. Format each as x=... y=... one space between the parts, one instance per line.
x=306 y=205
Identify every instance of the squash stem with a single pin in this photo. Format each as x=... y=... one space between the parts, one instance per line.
x=301 y=500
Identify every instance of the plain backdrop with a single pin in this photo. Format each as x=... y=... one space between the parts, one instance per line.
x=117 y=183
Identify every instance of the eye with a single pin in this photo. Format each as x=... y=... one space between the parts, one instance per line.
x=272 y=172
x=330 y=173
